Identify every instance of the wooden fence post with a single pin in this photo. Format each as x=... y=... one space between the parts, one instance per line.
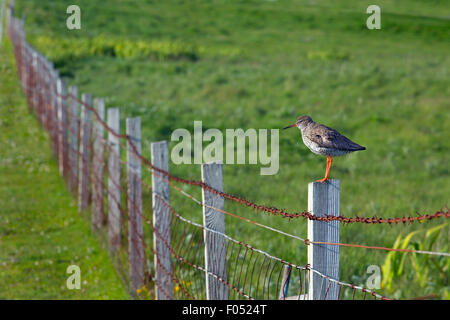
x=35 y=84
x=84 y=160
x=161 y=223
x=135 y=228
x=215 y=244
x=323 y=199
x=74 y=135
x=39 y=105
x=98 y=165
x=42 y=83
x=45 y=83
x=114 y=217
x=54 y=111
x=26 y=69
x=62 y=127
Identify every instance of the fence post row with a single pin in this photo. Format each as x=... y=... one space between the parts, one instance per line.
x=98 y=165
x=323 y=199
x=161 y=222
x=114 y=217
x=135 y=229
x=84 y=161
x=215 y=244
x=74 y=134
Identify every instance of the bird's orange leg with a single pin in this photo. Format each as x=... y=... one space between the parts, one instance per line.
x=329 y=162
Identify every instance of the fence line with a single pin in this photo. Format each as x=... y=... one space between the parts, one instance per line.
x=184 y=259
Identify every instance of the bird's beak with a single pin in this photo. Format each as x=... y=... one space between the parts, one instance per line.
x=292 y=125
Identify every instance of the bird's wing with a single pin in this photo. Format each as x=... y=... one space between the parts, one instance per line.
x=329 y=138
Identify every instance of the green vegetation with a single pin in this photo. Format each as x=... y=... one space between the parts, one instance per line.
x=424 y=266
x=260 y=64
x=41 y=232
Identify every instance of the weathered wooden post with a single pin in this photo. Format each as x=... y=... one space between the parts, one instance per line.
x=161 y=222
x=30 y=76
x=62 y=127
x=85 y=150
x=54 y=110
x=35 y=84
x=45 y=94
x=26 y=73
x=41 y=88
x=42 y=85
x=114 y=217
x=323 y=200
x=74 y=135
x=215 y=244
x=135 y=228
x=98 y=165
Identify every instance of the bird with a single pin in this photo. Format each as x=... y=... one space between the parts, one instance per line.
x=324 y=141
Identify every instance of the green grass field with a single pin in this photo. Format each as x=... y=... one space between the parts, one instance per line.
x=41 y=231
x=260 y=64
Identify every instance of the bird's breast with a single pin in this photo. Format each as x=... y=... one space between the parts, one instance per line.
x=314 y=147
x=317 y=149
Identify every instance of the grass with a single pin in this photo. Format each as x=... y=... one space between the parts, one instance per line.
x=386 y=89
x=41 y=232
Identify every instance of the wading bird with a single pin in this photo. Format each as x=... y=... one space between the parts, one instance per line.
x=324 y=141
